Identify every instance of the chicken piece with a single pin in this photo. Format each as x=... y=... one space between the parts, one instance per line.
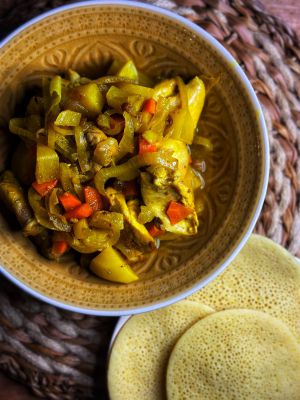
x=118 y=203
x=158 y=199
x=168 y=185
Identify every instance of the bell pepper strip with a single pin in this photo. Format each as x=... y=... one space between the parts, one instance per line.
x=202 y=141
x=146 y=147
x=81 y=229
x=18 y=127
x=47 y=164
x=60 y=247
x=93 y=198
x=110 y=265
x=177 y=212
x=130 y=188
x=113 y=80
x=126 y=172
x=82 y=211
x=55 y=91
x=50 y=221
x=144 y=91
x=195 y=97
x=155 y=231
x=165 y=88
x=69 y=201
x=68 y=118
x=82 y=151
x=65 y=146
x=44 y=188
x=107 y=220
x=150 y=106
x=126 y=144
x=146 y=215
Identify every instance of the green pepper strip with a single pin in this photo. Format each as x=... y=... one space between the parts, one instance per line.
x=64 y=145
x=107 y=220
x=50 y=221
x=55 y=93
x=130 y=169
x=82 y=149
x=17 y=126
x=113 y=80
x=68 y=118
x=126 y=144
x=47 y=164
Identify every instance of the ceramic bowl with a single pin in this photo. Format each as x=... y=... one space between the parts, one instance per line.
x=87 y=37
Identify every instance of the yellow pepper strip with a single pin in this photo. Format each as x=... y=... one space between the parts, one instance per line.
x=82 y=151
x=111 y=266
x=47 y=164
x=146 y=215
x=195 y=97
x=188 y=128
x=144 y=91
x=203 y=142
x=68 y=118
x=165 y=88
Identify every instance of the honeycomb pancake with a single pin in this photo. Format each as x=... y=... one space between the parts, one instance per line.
x=138 y=360
x=235 y=354
x=264 y=276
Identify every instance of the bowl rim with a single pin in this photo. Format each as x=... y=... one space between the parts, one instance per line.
x=264 y=135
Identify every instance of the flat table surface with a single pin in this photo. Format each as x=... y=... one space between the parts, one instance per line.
x=286 y=10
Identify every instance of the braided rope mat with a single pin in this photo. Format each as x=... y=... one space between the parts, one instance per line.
x=62 y=355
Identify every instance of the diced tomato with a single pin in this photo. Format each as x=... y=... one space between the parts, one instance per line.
x=177 y=212
x=150 y=106
x=93 y=198
x=59 y=247
x=44 y=188
x=146 y=147
x=82 y=211
x=69 y=201
x=155 y=231
x=130 y=188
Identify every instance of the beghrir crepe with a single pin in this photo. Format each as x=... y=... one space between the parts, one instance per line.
x=235 y=354
x=139 y=357
x=264 y=276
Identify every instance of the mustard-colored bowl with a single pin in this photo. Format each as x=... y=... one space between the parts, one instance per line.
x=87 y=37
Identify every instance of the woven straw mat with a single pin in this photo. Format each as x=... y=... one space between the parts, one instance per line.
x=62 y=355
